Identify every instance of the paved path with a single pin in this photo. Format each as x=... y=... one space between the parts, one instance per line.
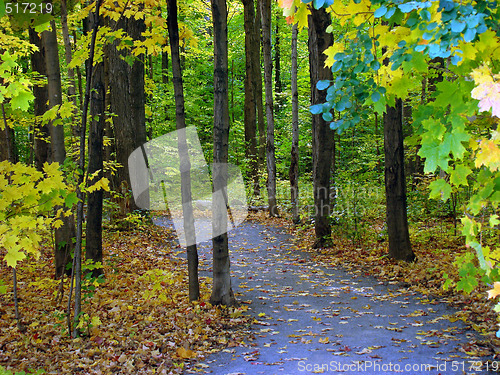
x=318 y=320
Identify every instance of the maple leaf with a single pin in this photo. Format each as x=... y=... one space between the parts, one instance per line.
x=488 y=154
x=492 y=293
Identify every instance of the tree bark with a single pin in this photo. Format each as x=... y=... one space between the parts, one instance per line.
x=395 y=184
x=71 y=72
x=66 y=233
x=294 y=164
x=257 y=73
x=180 y=115
x=40 y=131
x=222 y=293
x=127 y=101
x=322 y=142
x=250 y=106
x=278 y=86
x=268 y=81
x=7 y=144
x=93 y=249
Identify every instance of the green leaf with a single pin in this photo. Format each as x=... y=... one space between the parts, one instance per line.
x=71 y=200
x=459 y=175
x=452 y=142
x=22 y=100
x=494 y=220
x=440 y=189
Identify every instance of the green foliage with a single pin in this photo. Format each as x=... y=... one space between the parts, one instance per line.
x=3 y=371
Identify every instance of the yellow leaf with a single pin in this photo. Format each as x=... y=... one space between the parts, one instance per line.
x=324 y=340
x=492 y=293
x=262 y=314
x=185 y=353
x=14 y=255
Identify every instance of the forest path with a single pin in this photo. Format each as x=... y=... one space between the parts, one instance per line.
x=313 y=319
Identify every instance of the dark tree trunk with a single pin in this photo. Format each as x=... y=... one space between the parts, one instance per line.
x=187 y=207
x=395 y=184
x=222 y=293
x=66 y=233
x=127 y=101
x=250 y=107
x=96 y=163
x=278 y=87
x=257 y=73
x=294 y=164
x=268 y=81
x=40 y=131
x=322 y=140
x=7 y=144
x=164 y=67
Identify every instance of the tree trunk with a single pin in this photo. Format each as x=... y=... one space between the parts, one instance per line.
x=268 y=81
x=96 y=150
x=187 y=206
x=250 y=107
x=7 y=144
x=71 y=72
x=395 y=184
x=322 y=142
x=164 y=67
x=66 y=233
x=40 y=131
x=222 y=293
x=294 y=164
x=278 y=87
x=257 y=73
x=127 y=101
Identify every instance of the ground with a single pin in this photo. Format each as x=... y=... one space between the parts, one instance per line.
x=302 y=311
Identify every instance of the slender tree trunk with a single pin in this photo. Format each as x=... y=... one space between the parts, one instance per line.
x=164 y=67
x=257 y=73
x=77 y=260
x=278 y=86
x=322 y=143
x=187 y=206
x=66 y=233
x=395 y=184
x=222 y=293
x=294 y=164
x=96 y=160
x=7 y=144
x=40 y=131
x=250 y=107
x=127 y=100
x=71 y=72
x=268 y=81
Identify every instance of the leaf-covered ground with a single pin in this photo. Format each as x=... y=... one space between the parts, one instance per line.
x=141 y=320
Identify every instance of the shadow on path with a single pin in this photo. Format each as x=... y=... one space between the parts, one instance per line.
x=309 y=319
